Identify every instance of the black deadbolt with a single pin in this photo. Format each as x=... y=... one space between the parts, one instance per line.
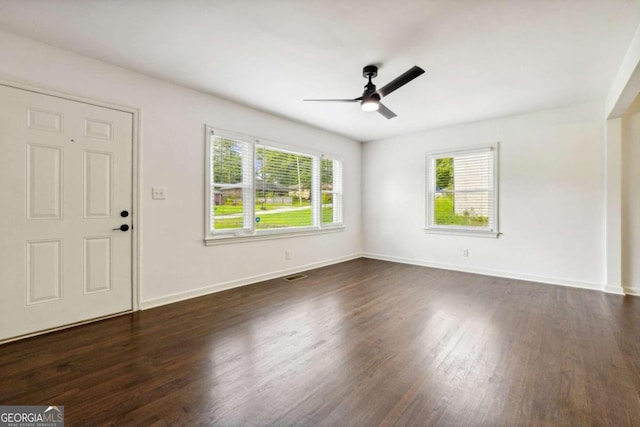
x=124 y=214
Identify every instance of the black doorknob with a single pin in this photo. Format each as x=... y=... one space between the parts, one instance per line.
x=123 y=227
x=124 y=214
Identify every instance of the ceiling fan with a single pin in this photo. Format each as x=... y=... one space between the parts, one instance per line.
x=370 y=99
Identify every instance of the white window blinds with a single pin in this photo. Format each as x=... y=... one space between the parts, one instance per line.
x=255 y=188
x=283 y=189
x=462 y=190
x=331 y=190
x=230 y=186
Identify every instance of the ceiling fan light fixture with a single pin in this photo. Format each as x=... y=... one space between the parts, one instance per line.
x=371 y=103
x=370 y=99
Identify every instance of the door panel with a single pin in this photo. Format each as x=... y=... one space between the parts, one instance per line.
x=97 y=184
x=65 y=176
x=44 y=271
x=44 y=182
x=97 y=264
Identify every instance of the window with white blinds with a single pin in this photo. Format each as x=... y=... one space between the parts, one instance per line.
x=283 y=189
x=462 y=191
x=331 y=190
x=230 y=189
x=255 y=188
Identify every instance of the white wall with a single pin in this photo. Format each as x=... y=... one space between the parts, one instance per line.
x=631 y=198
x=174 y=261
x=551 y=207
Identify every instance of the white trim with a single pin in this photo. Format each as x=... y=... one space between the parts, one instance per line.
x=181 y=296
x=488 y=272
x=31 y=87
x=462 y=232
x=316 y=192
x=248 y=159
x=632 y=291
x=220 y=240
x=338 y=203
x=136 y=152
x=471 y=149
x=207 y=180
x=136 y=188
x=225 y=133
x=617 y=290
x=249 y=231
x=431 y=156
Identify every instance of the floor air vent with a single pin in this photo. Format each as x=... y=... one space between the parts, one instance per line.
x=294 y=277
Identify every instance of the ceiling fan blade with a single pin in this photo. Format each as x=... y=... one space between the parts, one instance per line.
x=333 y=100
x=385 y=111
x=400 y=81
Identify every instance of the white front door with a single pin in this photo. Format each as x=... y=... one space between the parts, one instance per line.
x=65 y=184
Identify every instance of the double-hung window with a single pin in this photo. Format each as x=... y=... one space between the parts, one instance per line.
x=257 y=187
x=462 y=191
x=230 y=184
x=331 y=190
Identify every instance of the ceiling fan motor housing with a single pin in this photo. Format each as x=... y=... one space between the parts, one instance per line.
x=370 y=71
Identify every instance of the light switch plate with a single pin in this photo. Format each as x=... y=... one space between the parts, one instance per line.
x=158 y=193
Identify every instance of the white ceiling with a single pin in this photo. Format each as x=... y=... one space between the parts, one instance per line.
x=483 y=58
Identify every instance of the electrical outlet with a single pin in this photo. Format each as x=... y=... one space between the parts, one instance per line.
x=287 y=255
x=465 y=252
x=158 y=193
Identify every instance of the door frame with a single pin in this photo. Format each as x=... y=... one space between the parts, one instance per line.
x=135 y=185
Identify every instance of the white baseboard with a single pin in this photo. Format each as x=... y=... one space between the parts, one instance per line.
x=614 y=289
x=488 y=272
x=181 y=296
x=632 y=291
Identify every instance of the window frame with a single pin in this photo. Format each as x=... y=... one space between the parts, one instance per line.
x=461 y=230
x=247 y=187
x=213 y=237
x=337 y=202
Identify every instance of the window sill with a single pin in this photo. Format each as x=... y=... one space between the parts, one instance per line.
x=461 y=232
x=229 y=239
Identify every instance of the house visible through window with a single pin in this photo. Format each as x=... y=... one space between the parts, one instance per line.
x=283 y=187
x=462 y=191
x=257 y=188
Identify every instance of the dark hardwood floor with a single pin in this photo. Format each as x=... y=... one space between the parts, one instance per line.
x=359 y=343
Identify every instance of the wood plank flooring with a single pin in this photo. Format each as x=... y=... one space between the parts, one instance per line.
x=362 y=343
